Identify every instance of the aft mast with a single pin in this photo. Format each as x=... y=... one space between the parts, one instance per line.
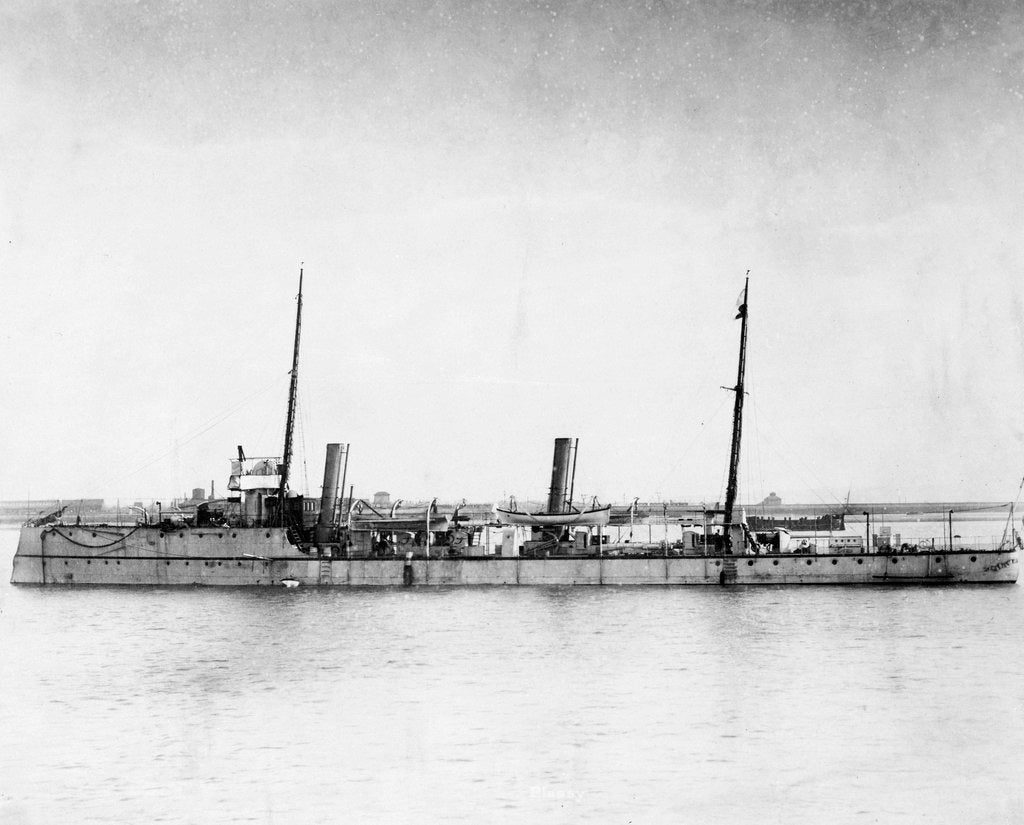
x=289 y=429
x=737 y=413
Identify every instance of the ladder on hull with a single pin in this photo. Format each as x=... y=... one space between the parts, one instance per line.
x=325 y=575
x=728 y=574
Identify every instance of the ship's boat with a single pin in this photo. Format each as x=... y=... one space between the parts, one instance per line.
x=599 y=516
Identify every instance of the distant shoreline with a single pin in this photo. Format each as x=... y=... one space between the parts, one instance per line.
x=659 y=512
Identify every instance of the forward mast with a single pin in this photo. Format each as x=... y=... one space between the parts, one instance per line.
x=289 y=429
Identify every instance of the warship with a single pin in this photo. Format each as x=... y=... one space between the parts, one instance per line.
x=266 y=534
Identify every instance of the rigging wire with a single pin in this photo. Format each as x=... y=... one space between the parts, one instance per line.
x=274 y=419
x=303 y=417
x=723 y=483
x=748 y=462
x=757 y=448
x=806 y=467
x=685 y=451
x=1009 y=518
x=204 y=428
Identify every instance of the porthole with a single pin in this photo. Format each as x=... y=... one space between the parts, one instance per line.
x=218 y=564
x=860 y=561
x=167 y=563
x=88 y=561
x=65 y=563
x=775 y=562
x=895 y=560
x=268 y=535
x=835 y=561
x=234 y=535
x=974 y=558
x=119 y=562
x=220 y=535
x=94 y=535
x=161 y=535
x=239 y=564
x=186 y=564
x=938 y=559
x=181 y=535
x=106 y=561
x=717 y=563
x=810 y=560
x=750 y=563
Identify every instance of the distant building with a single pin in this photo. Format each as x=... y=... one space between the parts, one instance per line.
x=771 y=500
x=17 y=512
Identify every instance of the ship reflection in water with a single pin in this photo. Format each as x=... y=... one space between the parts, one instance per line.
x=657 y=704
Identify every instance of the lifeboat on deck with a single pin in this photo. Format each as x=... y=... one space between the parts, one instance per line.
x=587 y=518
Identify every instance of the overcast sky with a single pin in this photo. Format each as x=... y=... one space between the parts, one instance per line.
x=518 y=221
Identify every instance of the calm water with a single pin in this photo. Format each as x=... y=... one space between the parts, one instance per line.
x=703 y=705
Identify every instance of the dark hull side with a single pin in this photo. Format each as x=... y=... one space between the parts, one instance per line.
x=263 y=557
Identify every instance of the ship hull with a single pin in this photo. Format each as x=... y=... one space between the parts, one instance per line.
x=263 y=557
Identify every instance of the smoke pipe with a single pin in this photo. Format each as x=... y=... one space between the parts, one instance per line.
x=332 y=470
x=560 y=465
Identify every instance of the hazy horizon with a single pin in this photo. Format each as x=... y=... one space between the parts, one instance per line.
x=518 y=221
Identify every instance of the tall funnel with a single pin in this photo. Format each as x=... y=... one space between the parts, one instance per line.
x=562 y=470
x=332 y=470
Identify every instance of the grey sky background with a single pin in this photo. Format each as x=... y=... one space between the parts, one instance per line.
x=518 y=221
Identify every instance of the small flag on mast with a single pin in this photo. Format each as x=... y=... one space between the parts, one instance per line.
x=741 y=303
